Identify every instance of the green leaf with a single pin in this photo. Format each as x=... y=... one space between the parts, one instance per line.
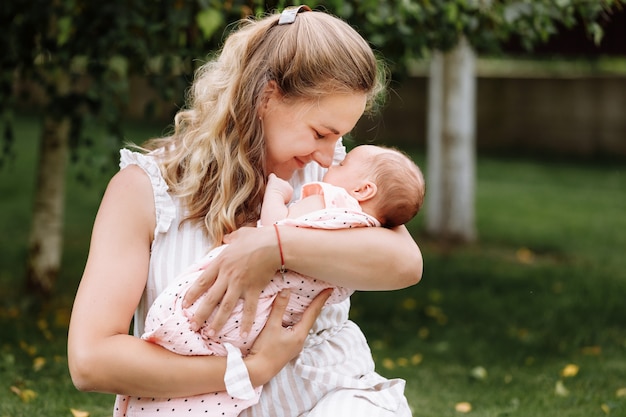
x=209 y=20
x=119 y=65
x=596 y=32
x=514 y=11
x=65 y=28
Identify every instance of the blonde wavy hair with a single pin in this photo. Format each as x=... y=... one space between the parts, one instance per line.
x=215 y=159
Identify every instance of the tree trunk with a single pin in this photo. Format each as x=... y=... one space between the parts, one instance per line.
x=450 y=139
x=46 y=236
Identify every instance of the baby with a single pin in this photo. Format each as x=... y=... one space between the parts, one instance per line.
x=372 y=186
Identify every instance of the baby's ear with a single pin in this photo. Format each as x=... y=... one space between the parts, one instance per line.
x=366 y=191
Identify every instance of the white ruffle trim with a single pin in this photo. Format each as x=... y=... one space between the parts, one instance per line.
x=163 y=203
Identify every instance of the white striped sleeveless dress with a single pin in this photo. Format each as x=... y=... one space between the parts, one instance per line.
x=333 y=376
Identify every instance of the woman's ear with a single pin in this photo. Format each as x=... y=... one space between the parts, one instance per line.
x=365 y=191
x=270 y=92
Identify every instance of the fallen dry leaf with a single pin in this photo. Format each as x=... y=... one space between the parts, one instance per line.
x=525 y=255
x=606 y=408
x=38 y=363
x=417 y=359
x=436 y=313
x=388 y=363
x=62 y=317
x=409 y=304
x=10 y=312
x=570 y=371
x=42 y=324
x=592 y=350
x=621 y=392
x=378 y=344
x=402 y=362
x=463 y=407
x=29 y=349
x=435 y=296
x=423 y=333
x=79 y=413
x=26 y=395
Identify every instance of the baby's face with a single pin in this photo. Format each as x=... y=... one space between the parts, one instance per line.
x=353 y=170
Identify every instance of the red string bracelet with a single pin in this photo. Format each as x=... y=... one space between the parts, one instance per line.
x=280 y=249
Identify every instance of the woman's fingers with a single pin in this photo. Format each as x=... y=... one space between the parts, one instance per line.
x=206 y=307
x=277 y=345
x=278 y=308
x=209 y=301
x=202 y=284
x=312 y=312
x=249 y=313
x=240 y=271
x=226 y=306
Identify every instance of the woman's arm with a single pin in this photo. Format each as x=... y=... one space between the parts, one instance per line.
x=371 y=258
x=102 y=356
x=366 y=258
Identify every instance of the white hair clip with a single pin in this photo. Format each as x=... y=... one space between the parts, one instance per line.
x=288 y=16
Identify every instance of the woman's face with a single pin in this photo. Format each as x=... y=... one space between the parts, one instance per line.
x=299 y=132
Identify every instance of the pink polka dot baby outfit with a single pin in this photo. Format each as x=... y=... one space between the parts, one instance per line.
x=167 y=322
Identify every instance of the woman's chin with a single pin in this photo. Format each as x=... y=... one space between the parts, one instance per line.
x=285 y=173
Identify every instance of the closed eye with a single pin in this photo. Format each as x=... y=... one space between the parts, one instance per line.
x=319 y=135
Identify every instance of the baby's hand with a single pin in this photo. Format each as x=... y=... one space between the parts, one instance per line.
x=280 y=186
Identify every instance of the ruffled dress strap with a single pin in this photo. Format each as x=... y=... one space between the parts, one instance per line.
x=163 y=202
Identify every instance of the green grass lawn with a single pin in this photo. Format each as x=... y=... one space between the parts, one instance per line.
x=494 y=324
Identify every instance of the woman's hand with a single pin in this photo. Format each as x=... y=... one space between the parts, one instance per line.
x=276 y=345
x=242 y=270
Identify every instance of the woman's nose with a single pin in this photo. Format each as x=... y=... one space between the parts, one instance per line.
x=324 y=153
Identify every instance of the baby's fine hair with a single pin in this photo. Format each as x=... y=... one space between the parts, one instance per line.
x=401 y=187
x=215 y=157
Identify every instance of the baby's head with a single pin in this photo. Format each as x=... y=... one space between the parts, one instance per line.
x=385 y=181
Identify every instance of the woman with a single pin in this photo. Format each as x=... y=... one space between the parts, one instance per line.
x=276 y=100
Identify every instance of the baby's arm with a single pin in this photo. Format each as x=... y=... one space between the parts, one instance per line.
x=306 y=205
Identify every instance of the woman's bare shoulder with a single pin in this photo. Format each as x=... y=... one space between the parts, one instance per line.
x=130 y=177
x=129 y=198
